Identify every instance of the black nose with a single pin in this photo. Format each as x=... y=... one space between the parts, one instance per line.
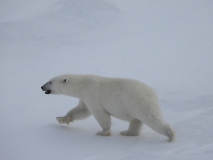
x=42 y=88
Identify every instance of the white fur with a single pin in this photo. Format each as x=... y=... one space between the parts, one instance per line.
x=126 y=99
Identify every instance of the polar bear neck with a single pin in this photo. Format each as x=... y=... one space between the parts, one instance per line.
x=77 y=85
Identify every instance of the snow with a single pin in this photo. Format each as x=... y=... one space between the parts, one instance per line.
x=166 y=44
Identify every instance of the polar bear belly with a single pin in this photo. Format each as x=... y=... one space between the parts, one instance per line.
x=119 y=109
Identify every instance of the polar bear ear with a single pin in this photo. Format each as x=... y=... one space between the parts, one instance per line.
x=65 y=79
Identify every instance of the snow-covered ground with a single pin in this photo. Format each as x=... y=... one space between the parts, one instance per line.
x=166 y=44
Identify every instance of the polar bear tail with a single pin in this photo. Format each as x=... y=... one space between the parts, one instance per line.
x=170 y=133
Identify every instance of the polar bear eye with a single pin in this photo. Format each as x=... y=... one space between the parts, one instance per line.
x=50 y=82
x=65 y=80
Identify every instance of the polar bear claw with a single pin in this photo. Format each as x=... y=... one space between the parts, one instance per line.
x=62 y=120
x=103 y=133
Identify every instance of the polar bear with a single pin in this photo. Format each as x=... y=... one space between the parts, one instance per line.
x=103 y=97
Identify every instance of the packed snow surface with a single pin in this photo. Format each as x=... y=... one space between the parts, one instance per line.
x=166 y=44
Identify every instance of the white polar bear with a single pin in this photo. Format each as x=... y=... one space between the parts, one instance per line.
x=126 y=99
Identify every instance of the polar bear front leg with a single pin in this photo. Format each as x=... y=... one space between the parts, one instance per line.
x=104 y=120
x=77 y=113
x=134 y=129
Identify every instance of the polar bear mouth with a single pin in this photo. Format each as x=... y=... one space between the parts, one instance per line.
x=48 y=92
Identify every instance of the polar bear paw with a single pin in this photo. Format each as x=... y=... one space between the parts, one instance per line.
x=129 y=133
x=104 y=133
x=62 y=120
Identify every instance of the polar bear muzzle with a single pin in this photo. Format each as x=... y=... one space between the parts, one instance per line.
x=45 y=88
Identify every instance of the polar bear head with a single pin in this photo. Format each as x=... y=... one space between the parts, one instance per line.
x=56 y=85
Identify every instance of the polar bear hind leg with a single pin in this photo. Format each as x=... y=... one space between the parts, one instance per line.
x=170 y=133
x=134 y=129
x=162 y=128
x=151 y=116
